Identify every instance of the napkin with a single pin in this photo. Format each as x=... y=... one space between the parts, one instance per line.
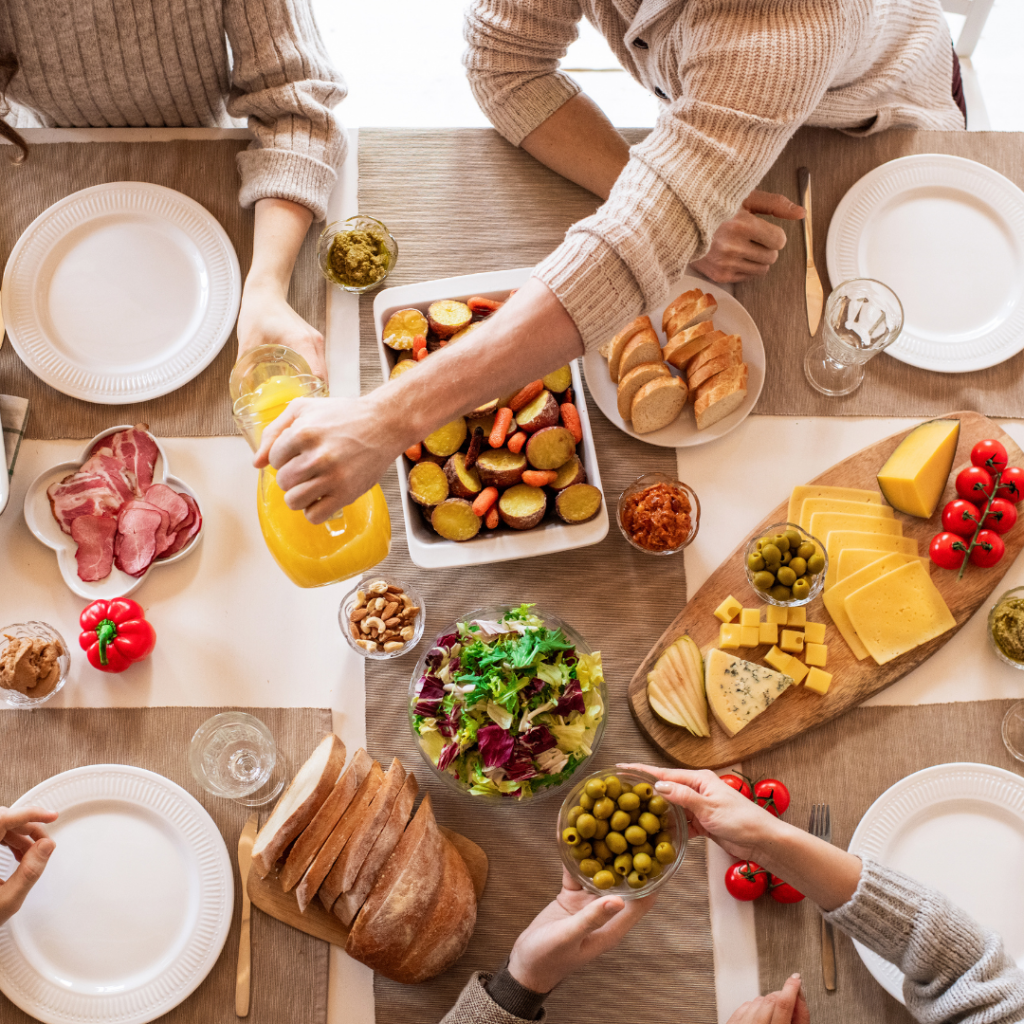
x=14 y=417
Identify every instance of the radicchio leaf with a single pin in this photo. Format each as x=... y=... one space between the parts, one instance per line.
x=571 y=700
x=520 y=765
x=532 y=688
x=431 y=693
x=448 y=725
x=495 y=744
x=536 y=740
x=447 y=756
x=433 y=658
x=448 y=641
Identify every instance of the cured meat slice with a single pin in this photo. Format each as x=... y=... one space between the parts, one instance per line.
x=171 y=502
x=94 y=536
x=188 y=529
x=99 y=487
x=164 y=535
x=135 y=546
x=135 y=449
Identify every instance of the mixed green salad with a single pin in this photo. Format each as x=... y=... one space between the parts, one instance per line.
x=508 y=706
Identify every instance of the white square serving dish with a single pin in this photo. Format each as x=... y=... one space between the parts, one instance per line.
x=426 y=548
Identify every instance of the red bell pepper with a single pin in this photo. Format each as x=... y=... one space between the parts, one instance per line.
x=115 y=633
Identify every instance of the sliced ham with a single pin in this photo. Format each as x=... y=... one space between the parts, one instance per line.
x=99 y=487
x=94 y=536
x=164 y=535
x=135 y=449
x=171 y=502
x=188 y=529
x=135 y=546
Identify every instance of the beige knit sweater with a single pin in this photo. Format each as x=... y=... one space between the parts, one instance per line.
x=171 y=63
x=738 y=77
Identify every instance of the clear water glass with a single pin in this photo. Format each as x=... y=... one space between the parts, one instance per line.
x=1013 y=730
x=234 y=755
x=862 y=318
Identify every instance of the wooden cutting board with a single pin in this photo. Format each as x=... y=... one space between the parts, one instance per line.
x=266 y=893
x=799 y=709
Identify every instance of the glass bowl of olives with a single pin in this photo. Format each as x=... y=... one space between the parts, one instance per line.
x=617 y=835
x=786 y=565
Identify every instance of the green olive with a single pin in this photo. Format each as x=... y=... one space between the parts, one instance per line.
x=760 y=543
x=663 y=837
x=581 y=852
x=795 y=540
x=620 y=821
x=596 y=788
x=644 y=848
x=787 y=558
x=586 y=825
x=590 y=867
x=603 y=828
x=658 y=805
x=783 y=543
x=623 y=864
x=573 y=815
x=634 y=816
x=771 y=553
x=763 y=580
x=805 y=550
x=755 y=562
x=815 y=563
x=601 y=851
x=799 y=566
x=665 y=853
x=616 y=842
x=626 y=787
x=629 y=801
x=780 y=592
x=801 y=588
x=613 y=786
x=570 y=836
x=586 y=802
x=605 y=879
x=786 y=576
x=642 y=862
x=656 y=869
x=644 y=790
x=636 y=880
x=635 y=835
x=649 y=823
x=604 y=808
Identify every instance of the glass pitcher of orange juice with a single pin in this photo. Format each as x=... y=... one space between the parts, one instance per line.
x=263 y=382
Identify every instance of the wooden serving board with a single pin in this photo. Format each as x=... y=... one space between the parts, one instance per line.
x=799 y=709
x=267 y=894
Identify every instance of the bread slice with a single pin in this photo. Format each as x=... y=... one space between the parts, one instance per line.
x=631 y=382
x=619 y=342
x=641 y=348
x=305 y=796
x=689 y=344
x=730 y=343
x=316 y=833
x=347 y=905
x=721 y=395
x=695 y=376
x=657 y=404
x=331 y=850
x=688 y=300
x=689 y=316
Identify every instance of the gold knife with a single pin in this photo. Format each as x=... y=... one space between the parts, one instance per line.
x=812 y=285
x=245 y=842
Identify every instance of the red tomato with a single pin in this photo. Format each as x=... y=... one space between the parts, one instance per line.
x=947 y=550
x=783 y=892
x=1002 y=514
x=745 y=880
x=990 y=455
x=1011 y=486
x=988 y=549
x=772 y=795
x=961 y=517
x=739 y=784
x=974 y=484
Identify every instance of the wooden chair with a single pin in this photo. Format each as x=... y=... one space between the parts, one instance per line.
x=975 y=13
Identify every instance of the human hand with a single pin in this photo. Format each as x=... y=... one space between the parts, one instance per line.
x=265 y=318
x=22 y=832
x=787 y=1006
x=745 y=246
x=569 y=932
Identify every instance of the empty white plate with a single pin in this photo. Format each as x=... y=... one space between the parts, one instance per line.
x=133 y=909
x=121 y=292
x=947 y=236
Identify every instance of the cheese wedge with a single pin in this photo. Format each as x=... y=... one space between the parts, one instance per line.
x=914 y=476
x=898 y=612
x=840 y=539
x=835 y=598
x=804 y=491
x=857 y=508
x=823 y=523
x=852 y=560
x=738 y=690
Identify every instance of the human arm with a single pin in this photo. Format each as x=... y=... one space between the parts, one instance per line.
x=23 y=833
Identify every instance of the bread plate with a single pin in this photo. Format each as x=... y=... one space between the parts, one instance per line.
x=426 y=548
x=731 y=318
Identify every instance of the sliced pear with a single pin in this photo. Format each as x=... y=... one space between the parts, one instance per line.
x=689 y=645
x=671 y=713
x=675 y=687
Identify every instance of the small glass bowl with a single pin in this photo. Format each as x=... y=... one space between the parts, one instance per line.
x=357 y=223
x=641 y=483
x=1018 y=593
x=817 y=581
x=676 y=828
x=27 y=631
x=348 y=602
x=1013 y=730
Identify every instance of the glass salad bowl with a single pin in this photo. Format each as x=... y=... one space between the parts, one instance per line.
x=508 y=704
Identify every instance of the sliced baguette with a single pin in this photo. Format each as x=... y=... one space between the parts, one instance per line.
x=723 y=345
x=630 y=383
x=686 y=346
x=703 y=309
x=619 y=342
x=299 y=803
x=688 y=300
x=641 y=348
x=721 y=395
x=657 y=404
x=708 y=369
x=316 y=833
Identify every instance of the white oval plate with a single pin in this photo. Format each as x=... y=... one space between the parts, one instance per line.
x=133 y=909
x=731 y=318
x=958 y=828
x=947 y=235
x=121 y=292
x=39 y=518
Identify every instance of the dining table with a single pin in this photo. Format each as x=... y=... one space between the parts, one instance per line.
x=234 y=631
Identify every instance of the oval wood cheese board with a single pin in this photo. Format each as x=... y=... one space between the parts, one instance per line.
x=799 y=709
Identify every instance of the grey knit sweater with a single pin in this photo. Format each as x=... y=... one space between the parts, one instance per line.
x=955 y=970
x=193 y=63
x=737 y=78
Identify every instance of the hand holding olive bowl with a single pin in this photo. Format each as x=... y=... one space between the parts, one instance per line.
x=785 y=565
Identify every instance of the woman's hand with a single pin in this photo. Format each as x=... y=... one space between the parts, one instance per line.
x=265 y=318
x=22 y=832
x=787 y=1006
x=570 y=932
x=745 y=246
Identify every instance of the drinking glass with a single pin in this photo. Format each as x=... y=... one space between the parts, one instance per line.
x=862 y=318
x=1013 y=730
x=234 y=755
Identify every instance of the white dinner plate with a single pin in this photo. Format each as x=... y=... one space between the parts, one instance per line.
x=958 y=828
x=731 y=318
x=133 y=909
x=121 y=292
x=947 y=235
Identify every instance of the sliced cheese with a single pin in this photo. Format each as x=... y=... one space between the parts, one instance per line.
x=852 y=560
x=738 y=690
x=823 y=523
x=812 y=506
x=804 y=491
x=898 y=612
x=840 y=539
x=914 y=476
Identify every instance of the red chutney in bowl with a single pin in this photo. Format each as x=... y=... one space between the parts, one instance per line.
x=660 y=517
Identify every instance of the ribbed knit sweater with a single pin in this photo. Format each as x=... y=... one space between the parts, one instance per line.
x=192 y=63
x=955 y=970
x=737 y=78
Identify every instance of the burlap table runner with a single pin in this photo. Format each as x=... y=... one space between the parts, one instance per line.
x=848 y=764
x=289 y=969
x=470 y=202
x=205 y=171
x=776 y=302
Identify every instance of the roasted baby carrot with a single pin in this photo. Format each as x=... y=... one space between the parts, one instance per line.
x=415 y=452
x=516 y=441
x=492 y=519
x=421 y=354
x=539 y=477
x=526 y=395
x=571 y=420
x=478 y=304
x=502 y=421
x=484 y=500
x=419 y=341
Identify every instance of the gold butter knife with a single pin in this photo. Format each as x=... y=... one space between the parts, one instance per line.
x=245 y=842
x=812 y=284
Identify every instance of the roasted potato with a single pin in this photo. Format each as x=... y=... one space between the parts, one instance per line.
x=428 y=483
x=459 y=335
x=455 y=519
x=401 y=367
x=558 y=381
x=571 y=473
x=500 y=468
x=487 y=409
x=447 y=317
x=550 y=448
x=522 y=507
x=540 y=413
x=447 y=440
x=463 y=482
x=402 y=327
x=578 y=503
x=485 y=421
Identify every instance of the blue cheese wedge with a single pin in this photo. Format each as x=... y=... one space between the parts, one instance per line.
x=738 y=690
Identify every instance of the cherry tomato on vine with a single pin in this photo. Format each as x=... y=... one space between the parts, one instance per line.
x=988 y=549
x=783 y=892
x=947 y=550
x=772 y=795
x=961 y=516
x=746 y=880
x=974 y=484
x=1002 y=514
x=990 y=455
x=739 y=784
x=1011 y=486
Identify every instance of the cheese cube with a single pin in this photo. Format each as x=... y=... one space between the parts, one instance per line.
x=797 y=669
x=779 y=660
x=792 y=641
x=727 y=610
x=750 y=617
x=738 y=691
x=780 y=616
x=818 y=681
x=797 y=616
x=814 y=632
x=815 y=654
x=768 y=633
x=750 y=636
x=730 y=635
